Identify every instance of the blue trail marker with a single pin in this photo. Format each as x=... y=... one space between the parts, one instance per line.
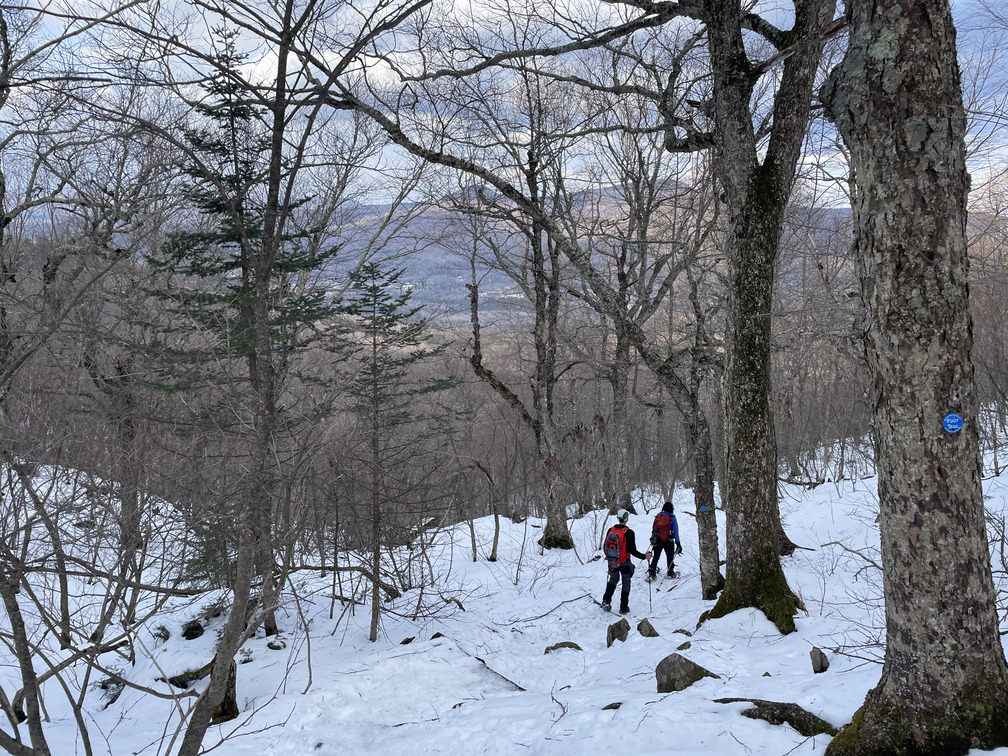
x=953 y=423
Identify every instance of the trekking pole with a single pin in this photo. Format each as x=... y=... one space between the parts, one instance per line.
x=650 y=608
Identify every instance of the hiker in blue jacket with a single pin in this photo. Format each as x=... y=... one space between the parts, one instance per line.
x=620 y=545
x=664 y=537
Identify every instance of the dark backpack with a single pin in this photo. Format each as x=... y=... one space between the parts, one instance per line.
x=615 y=547
x=663 y=526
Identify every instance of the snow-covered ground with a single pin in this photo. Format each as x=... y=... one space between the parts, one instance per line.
x=330 y=691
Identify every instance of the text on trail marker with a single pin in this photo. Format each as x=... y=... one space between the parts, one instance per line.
x=953 y=423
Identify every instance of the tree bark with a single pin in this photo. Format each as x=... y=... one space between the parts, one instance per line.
x=10 y=578
x=897 y=101
x=711 y=579
x=236 y=631
x=547 y=292
x=377 y=471
x=545 y=296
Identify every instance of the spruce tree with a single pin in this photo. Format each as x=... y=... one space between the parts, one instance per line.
x=393 y=343
x=237 y=285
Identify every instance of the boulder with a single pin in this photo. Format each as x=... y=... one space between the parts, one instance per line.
x=192 y=630
x=676 y=672
x=645 y=628
x=684 y=646
x=617 y=631
x=819 y=661
x=779 y=712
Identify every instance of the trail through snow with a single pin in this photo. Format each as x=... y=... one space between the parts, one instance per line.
x=485 y=686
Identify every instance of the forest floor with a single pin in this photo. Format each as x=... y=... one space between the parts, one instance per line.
x=485 y=686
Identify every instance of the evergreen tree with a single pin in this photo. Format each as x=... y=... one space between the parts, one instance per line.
x=387 y=389
x=244 y=295
x=216 y=264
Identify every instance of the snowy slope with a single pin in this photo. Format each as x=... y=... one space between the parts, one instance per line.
x=332 y=692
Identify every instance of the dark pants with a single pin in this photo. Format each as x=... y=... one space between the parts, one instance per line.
x=669 y=548
x=625 y=571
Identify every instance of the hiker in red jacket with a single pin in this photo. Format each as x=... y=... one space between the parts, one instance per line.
x=620 y=545
x=664 y=537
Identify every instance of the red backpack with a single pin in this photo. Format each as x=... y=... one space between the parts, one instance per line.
x=615 y=547
x=663 y=526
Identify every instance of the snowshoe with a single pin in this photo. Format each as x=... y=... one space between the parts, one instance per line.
x=607 y=606
x=625 y=611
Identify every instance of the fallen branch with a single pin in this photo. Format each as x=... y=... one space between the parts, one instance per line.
x=502 y=677
x=481 y=661
x=451 y=600
x=530 y=619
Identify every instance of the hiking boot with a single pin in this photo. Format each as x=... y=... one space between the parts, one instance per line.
x=607 y=606
x=624 y=610
x=671 y=573
x=650 y=577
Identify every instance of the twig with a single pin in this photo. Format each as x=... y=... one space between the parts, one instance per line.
x=563 y=707
x=846 y=548
x=307 y=630
x=481 y=661
x=797 y=746
x=530 y=619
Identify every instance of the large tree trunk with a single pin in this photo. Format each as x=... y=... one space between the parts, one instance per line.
x=897 y=101
x=547 y=293
x=756 y=194
x=262 y=478
x=234 y=634
x=754 y=576
x=702 y=449
x=377 y=471
x=556 y=534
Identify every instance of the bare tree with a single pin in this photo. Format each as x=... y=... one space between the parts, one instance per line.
x=530 y=129
x=656 y=238
x=755 y=158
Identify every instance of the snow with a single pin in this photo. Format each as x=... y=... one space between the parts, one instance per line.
x=329 y=691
